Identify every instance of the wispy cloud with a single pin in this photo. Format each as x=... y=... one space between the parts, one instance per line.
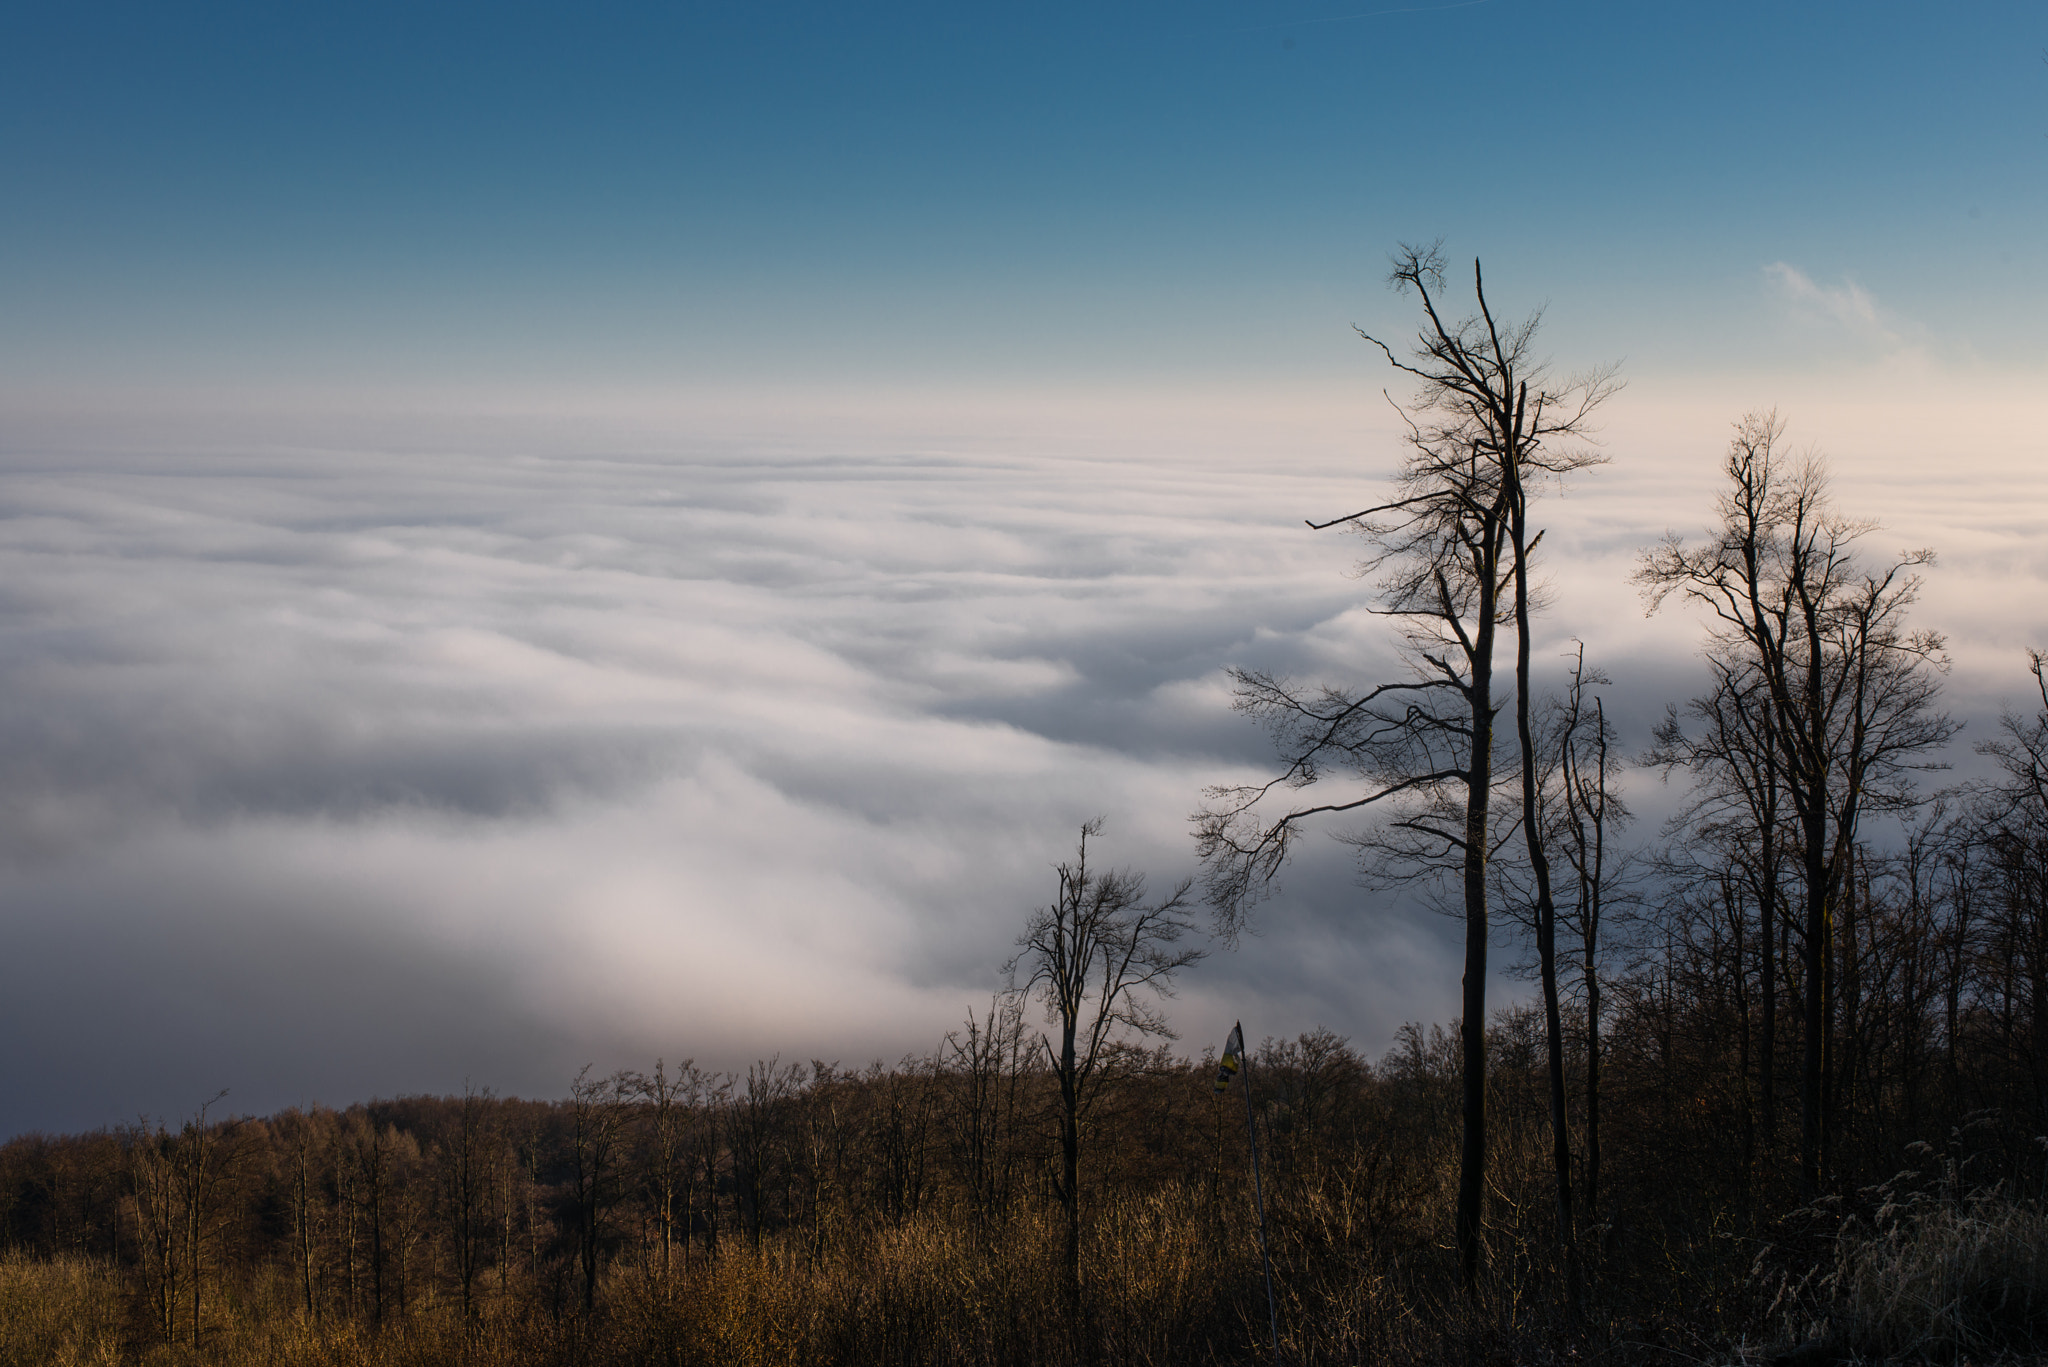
x=1847 y=305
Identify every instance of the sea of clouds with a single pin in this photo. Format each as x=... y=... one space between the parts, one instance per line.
x=350 y=753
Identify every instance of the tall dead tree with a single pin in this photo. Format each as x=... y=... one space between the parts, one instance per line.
x=1485 y=426
x=1521 y=432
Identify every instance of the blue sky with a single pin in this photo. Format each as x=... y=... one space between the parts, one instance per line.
x=533 y=536
x=932 y=195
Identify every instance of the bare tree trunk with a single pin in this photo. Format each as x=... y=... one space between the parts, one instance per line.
x=1813 y=1061
x=1472 y=1027
x=1539 y=864
x=1767 y=1041
x=468 y=1193
x=194 y=1215
x=1592 y=1087
x=303 y=1198
x=1738 y=958
x=1070 y=1174
x=374 y=1157
x=1590 y=809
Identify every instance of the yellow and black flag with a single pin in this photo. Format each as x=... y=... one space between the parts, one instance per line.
x=1233 y=1058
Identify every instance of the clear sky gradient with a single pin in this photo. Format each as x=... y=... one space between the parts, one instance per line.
x=533 y=536
x=928 y=195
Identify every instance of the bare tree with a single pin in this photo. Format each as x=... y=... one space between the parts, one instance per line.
x=372 y=1157
x=670 y=1104
x=2021 y=748
x=469 y=1194
x=1587 y=816
x=1485 y=426
x=1524 y=458
x=2014 y=818
x=906 y=1102
x=306 y=1134
x=1735 y=821
x=153 y=1174
x=178 y=1182
x=989 y=1063
x=1849 y=689
x=756 y=1124
x=1093 y=957
x=410 y=1210
x=710 y=1101
x=597 y=1121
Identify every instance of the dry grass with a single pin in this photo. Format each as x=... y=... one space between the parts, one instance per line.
x=1170 y=1275
x=934 y=1292
x=1922 y=1270
x=1168 y=1281
x=64 y=1312
x=1940 y=1280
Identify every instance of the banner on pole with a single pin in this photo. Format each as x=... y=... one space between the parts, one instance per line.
x=1233 y=1058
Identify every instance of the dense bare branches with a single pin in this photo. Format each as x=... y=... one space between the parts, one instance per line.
x=1822 y=693
x=2011 y=822
x=1406 y=744
x=1485 y=424
x=2021 y=751
x=598 y=1113
x=179 y=1182
x=1098 y=957
x=988 y=1059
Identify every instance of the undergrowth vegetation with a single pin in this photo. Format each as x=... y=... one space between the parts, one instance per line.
x=826 y=1216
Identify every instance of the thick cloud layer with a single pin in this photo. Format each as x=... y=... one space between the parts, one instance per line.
x=331 y=769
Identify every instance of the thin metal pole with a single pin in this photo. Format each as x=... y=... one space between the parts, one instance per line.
x=1259 y=1199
